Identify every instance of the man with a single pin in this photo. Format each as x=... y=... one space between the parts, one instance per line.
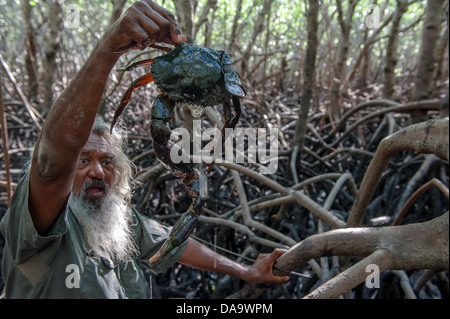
x=70 y=232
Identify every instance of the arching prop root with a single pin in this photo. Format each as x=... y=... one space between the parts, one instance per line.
x=414 y=246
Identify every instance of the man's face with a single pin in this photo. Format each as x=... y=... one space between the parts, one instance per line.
x=95 y=171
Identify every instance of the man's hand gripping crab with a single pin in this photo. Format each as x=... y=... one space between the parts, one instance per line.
x=199 y=77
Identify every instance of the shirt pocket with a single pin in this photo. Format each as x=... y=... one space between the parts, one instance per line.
x=99 y=280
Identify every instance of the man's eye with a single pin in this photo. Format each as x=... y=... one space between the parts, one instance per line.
x=83 y=162
x=107 y=163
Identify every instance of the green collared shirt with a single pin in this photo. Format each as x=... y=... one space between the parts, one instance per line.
x=60 y=265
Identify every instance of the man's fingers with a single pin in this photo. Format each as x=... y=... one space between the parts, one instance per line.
x=140 y=36
x=153 y=22
x=174 y=31
x=277 y=252
x=149 y=26
x=146 y=23
x=151 y=29
x=280 y=279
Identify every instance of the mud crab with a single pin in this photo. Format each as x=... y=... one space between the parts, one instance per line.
x=198 y=77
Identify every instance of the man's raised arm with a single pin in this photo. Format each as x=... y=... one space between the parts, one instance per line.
x=71 y=118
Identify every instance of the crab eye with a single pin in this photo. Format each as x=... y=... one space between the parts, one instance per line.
x=226 y=59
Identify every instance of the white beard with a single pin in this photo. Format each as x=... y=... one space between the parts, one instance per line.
x=105 y=225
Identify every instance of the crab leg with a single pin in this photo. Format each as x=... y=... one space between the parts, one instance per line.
x=237 y=111
x=145 y=79
x=230 y=122
x=183 y=227
x=134 y=45
x=162 y=111
x=137 y=64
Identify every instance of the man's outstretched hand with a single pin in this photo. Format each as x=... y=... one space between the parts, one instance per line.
x=261 y=270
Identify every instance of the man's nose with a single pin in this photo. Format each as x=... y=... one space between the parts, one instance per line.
x=96 y=170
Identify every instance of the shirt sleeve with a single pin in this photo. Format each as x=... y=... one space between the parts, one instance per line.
x=151 y=235
x=22 y=239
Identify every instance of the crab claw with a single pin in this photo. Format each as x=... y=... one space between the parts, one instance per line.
x=235 y=89
x=232 y=82
x=180 y=232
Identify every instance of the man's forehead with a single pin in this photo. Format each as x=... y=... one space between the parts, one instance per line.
x=96 y=143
